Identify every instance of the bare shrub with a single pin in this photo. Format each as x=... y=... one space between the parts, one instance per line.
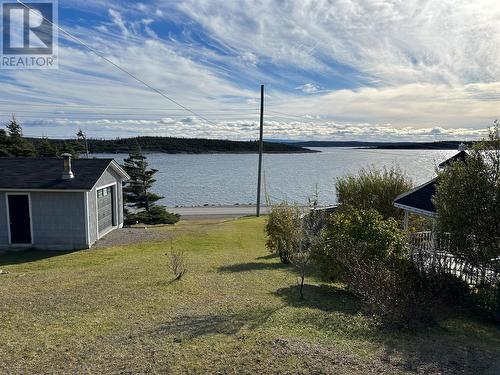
x=177 y=260
x=309 y=240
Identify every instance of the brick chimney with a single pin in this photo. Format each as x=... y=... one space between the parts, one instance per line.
x=67 y=172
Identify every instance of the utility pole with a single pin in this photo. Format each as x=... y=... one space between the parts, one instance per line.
x=261 y=147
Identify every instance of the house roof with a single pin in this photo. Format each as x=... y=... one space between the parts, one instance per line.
x=419 y=200
x=45 y=173
x=461 y=156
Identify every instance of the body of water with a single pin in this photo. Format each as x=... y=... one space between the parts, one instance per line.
x=227 y=179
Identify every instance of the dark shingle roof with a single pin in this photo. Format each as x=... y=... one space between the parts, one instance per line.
x=461 y=156
x=45 y=173
x=420 y=197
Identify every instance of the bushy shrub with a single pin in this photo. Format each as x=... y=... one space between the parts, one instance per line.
x=283 y=230
x=373 y=189
x=358 y=234
x=369 y=254
x=155 y=215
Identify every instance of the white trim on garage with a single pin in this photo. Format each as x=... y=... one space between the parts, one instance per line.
x=115 y=209
x=8 y=219
x=87 y=218
x=116 y=167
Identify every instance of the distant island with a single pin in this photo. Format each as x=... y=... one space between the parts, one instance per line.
x=441 y=145
x=171 y=145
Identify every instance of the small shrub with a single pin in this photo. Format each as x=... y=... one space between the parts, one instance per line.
x=155 y=215
x=177 y=261
x=283 y=230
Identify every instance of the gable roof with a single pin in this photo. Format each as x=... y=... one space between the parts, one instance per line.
x=419 y=200
x=45 y=173
x=461 y=156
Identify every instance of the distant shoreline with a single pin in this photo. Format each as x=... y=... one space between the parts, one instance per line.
x=304 y=151
x=172 y=145
x=441 y=145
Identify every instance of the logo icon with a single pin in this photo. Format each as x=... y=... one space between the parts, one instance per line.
x=29 y=35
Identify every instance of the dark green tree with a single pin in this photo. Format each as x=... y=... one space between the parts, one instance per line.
x=468 y=201
x=18 y=146
x=4 y=144
x=69 y=147
x=137 y=190
x=46 y=149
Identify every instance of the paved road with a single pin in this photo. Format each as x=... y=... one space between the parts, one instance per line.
x=216 y=211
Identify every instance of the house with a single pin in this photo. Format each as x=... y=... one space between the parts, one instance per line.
x=59 y=204
x=420 y=199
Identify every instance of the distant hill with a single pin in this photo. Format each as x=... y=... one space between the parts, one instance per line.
x=171 y=145
x=443 y=145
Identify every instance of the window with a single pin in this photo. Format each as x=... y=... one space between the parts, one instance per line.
x=104 y=192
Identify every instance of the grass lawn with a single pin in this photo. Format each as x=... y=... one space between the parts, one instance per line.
x=115 y=310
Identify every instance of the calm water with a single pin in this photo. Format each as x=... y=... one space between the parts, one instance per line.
x=194 y=180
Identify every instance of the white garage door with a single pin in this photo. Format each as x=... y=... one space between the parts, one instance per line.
x=105 y=208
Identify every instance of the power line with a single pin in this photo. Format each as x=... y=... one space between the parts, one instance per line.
x=65 y=113
x=52 y=105
x=101 y=55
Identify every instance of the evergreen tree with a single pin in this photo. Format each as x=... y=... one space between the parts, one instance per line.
x=14 y=129
x=4 y=144
x=18 y=146
x=46 y=149
x=69 y=147
x=137 y=190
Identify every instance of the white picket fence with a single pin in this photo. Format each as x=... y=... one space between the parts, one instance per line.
x=430 y=250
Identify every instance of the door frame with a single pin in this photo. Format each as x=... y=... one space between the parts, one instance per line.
x=7 y=194
x=114 y=187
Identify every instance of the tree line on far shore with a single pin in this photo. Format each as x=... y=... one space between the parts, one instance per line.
x=14 y=144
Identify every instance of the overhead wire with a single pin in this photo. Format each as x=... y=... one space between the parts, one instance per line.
x=119 y=67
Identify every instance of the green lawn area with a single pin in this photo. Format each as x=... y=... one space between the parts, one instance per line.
x=115 y=310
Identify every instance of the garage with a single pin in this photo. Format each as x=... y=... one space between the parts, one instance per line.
x=105 y=209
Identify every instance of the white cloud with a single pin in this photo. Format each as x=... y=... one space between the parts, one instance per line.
x=248 y=129
x=308 y=88
x=381 y=69
x=118 y=21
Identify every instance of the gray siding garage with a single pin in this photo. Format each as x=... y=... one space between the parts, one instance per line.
x=59 y=204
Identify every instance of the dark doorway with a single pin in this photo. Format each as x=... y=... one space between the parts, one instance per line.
x=19 y=214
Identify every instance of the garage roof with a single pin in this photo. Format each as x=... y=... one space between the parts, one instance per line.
x=45 y=173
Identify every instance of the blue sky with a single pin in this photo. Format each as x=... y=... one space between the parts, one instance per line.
x=333 y=69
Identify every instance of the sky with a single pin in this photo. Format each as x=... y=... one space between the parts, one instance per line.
x=412 y=70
